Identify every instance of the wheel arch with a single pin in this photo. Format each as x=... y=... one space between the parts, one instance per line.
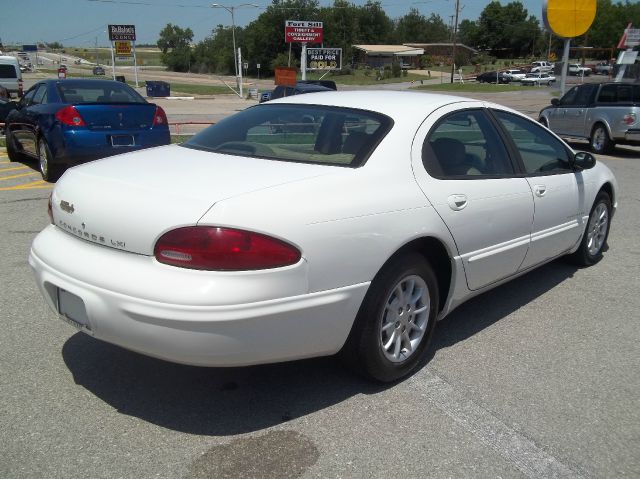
x=437 y=254
x=608 y=188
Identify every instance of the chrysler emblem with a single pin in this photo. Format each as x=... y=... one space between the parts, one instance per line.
x=65 y=206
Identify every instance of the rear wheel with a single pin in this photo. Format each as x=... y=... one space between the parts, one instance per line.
x=596 y=234
x=600 y=141
x=392 y=331
x=48 y=170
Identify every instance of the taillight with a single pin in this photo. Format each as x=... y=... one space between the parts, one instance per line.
x=159 y=117
x=70 y=116
x=629 y=119
x=50 y=209
x=223 y=249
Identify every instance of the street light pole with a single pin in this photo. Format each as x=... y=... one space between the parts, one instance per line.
x=231 y=10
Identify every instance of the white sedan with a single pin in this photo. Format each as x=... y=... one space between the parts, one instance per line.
x=538 y=79
x=316 y=224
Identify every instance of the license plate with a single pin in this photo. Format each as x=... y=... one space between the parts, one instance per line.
x=122 y=140
x=72 y=310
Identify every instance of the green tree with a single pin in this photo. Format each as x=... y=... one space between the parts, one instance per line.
x=175 y=44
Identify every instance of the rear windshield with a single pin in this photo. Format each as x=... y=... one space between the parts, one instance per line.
x=299 y=133
x=7 y=71
x=95 y=91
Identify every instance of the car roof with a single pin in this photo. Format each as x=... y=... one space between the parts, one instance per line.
x=396 y=104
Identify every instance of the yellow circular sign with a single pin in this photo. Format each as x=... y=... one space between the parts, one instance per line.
x=569 y=18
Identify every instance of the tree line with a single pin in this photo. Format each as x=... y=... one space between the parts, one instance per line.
x=503 y=31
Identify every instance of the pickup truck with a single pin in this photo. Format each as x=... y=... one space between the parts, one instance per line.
x=603 y=68
x=579 y=70
x=541 y=66
x=605 y=114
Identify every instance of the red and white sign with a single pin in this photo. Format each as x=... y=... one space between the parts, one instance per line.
x=302 y=31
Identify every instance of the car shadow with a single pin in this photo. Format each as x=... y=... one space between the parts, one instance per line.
x=229 y=401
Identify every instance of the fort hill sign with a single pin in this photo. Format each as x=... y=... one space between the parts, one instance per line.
x=302 y=31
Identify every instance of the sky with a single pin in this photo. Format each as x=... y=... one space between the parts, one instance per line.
x=82 y=23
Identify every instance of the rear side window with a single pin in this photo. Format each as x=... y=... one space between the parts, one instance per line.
x=465 y=145
x=620 y=93
x=298 y=133
x=8 y=71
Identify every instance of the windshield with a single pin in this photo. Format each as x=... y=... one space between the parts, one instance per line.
x=97 y=91
x=300 y=133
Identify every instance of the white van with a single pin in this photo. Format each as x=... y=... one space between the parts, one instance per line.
x=10 y=75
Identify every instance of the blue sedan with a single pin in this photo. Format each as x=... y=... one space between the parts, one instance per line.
x=62 y=123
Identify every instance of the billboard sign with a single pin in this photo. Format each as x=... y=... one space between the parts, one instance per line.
x=302 y=31
x=122 y=32
x=324 y=58
x=29 y=48
x=123 y=48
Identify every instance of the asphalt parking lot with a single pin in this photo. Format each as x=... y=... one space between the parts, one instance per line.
x=535 y=379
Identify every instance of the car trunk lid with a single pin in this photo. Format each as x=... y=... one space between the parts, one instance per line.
x=128 y=201
x=117 y=116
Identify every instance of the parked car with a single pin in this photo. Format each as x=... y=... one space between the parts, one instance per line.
x=98 y=70
x=578 y=70
x=11 y=75
x=538 y=79
x=282 y=91
x=325 y=83
x=515 y=74
x=265 y=96
x=243 y=246
x=604 y=114
x=541 y=66
x=62 y=123
x=493 y=77
x=603 y=68
x=62 y=66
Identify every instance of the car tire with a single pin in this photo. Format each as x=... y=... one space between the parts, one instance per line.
x=392 y=331
x=12 y=152
x=594 y=239
x=48 y=170
x=599 y=140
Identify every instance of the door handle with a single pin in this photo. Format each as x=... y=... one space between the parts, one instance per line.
x=457 y=202
x=540 y=190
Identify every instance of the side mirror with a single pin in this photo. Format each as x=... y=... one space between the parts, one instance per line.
x=584 y=161
x=555 y=102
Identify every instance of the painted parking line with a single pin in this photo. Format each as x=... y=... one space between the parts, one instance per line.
x=21 y=175
x=14 y=169
x=34 y=185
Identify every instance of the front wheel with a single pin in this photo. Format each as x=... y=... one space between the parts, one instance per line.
x=596 y=233
x=393 y=328
x=600 y=141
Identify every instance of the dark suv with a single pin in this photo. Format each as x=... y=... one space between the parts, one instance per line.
x=604 y=114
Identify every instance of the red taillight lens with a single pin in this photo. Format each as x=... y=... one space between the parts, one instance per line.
x=629 y=119
x=159 y=117
x=70 y=116
x=223 y=249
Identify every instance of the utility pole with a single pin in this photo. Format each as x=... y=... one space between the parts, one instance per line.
x=455 y=40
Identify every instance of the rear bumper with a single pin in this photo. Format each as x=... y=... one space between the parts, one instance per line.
x=194 y=317
x=82 y=146
x=632 y=136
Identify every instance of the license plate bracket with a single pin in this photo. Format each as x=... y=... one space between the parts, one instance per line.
x=72 y=310
x=122 y=140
